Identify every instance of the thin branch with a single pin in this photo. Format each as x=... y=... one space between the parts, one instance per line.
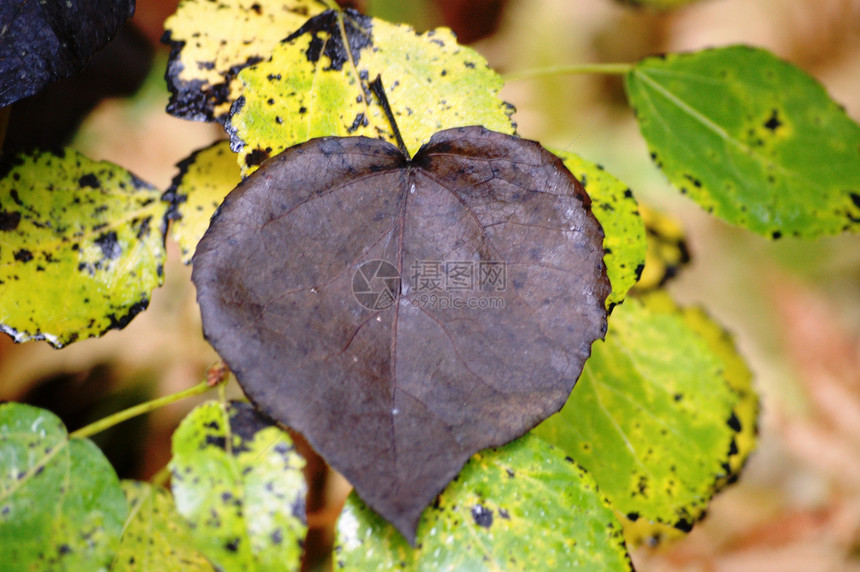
x=572 y=69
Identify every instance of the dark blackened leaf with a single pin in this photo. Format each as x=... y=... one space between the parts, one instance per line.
x=43 y=41
x=404 y=314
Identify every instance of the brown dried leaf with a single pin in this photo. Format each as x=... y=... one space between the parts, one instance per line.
x=329 y=282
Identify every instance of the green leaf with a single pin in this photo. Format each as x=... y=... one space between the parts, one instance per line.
x=155 y=537
x=238 y=479
x=203 y=181
x=652 y=418
x=213 y=40
x=61 y=505
x=520 y=507
x=752 y=139
x=81 y=247
x=618 y=213
x=315 y=86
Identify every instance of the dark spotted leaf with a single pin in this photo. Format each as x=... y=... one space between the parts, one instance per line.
x=752 y=139
x=667 y=252
x=203 y=181
x=404 y=314
x=41 y=42
x=213 y=40
x=81 y=247
x=617 y=212
x=655 y=418
x=155 y=537
x=238 y=479
x=315 y=85
x=61 y=505
x=522 y=507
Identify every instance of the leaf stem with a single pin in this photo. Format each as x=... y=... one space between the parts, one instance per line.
x=146 y=407
x=161 y=477
x=570 y=69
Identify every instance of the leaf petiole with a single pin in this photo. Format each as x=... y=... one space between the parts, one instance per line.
x=570 y=69
x=146 y=407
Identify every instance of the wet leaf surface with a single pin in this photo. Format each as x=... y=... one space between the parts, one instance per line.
x=238 y=479
x=81 y=247
x=155 y=537
x=61 y=505
x=315 y=85
x=521 y=507
x=405 y=314
x=203 y=181
x=41 y=42
x=655 y=419
x=213 y=41
x=752 y=139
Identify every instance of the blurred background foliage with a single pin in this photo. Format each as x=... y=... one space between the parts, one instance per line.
x=793 y=305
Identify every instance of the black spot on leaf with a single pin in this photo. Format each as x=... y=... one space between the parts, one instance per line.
x=89 y=180
x=109 y=245
x=482 y=516
x=734 y=423
x=23 y=255
x=773 y=123
x=256 y=157
x=9 y=220
x=327 y=40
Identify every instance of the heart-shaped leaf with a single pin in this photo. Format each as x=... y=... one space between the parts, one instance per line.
x=404 y=314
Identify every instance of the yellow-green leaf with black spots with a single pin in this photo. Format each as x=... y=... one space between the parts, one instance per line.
x=81 y=247
x=155 y=537
x=737 y=373
x=523 y=506
x=667 y=251
x=752 y=139
x=616 y=209
x=203 y=181
x=212 y=40
x=316 y=84
x=238 y=479
x=61 y=505
x=652 y=418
